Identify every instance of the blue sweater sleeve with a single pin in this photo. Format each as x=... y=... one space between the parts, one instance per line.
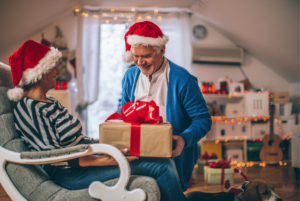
x=195 y=106
x=125 y=92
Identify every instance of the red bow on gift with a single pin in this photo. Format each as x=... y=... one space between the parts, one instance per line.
x=136 y=113
x=208 y=156
x=220 y=164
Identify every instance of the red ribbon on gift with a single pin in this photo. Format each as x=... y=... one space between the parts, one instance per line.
x=136 y=113
x=222 y=165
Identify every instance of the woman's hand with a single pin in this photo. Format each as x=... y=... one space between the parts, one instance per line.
x=104 y=160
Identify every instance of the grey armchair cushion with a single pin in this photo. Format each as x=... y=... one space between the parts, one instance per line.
x=31 y=180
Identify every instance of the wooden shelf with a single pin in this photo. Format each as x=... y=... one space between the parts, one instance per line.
x=222 y=96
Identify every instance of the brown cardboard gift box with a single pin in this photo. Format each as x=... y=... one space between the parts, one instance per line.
x=279 y=96
x=155 y=140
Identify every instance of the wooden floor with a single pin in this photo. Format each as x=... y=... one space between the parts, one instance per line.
x=282 y=177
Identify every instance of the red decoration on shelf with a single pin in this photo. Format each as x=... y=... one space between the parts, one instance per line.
x=224 y=87
x=57 y=85
x=64 y=85
x=204 y=88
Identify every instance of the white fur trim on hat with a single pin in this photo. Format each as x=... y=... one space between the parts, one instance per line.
x=146 y=41
x=15 y=94
x=33 y=75
x=128 y=57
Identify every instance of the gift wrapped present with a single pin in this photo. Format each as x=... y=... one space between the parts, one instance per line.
x=141 y=130
x=218 y=173
x=204 y=159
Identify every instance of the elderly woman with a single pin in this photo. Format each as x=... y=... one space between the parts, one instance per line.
x=45 y=124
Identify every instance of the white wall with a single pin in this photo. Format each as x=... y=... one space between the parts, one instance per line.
x=259 y=74
x=68 y=25
x=294 y=89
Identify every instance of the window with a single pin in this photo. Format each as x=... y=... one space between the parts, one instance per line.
x=111 y=74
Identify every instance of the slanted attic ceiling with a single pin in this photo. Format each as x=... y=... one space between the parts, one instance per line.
x=268 y=29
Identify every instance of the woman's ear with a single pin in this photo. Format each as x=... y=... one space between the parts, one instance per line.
x=251 y=194
x=44 y=78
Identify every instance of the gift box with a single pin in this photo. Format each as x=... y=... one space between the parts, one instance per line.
x=217 y=176
x=155 y=140
x=279 y=96
x=142 y=130
x=218 y=173
x=204 y=159
x=201 y=164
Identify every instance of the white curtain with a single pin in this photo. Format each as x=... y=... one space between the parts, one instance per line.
x=176 y=26
x=87 y=61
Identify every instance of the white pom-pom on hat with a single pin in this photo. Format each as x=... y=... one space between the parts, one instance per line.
x=15 y=94
x=128 y=57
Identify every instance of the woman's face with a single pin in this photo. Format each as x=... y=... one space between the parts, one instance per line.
x=48 y=81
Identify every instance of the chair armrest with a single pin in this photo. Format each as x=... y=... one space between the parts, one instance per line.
x=55 y=152
x=97 y=189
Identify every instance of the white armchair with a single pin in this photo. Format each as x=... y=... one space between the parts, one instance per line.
x=96 y=190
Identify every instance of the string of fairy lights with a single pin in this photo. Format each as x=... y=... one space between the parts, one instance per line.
x=235 y=164
x=122 y=15
x=242 y=120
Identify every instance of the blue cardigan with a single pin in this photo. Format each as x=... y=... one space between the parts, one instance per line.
x=186 y=111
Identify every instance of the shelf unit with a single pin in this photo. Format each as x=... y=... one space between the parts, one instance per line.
x=234 y=133
x=243 y=144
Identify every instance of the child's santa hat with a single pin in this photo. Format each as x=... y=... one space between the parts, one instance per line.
x=28 y=64
x=143 y=33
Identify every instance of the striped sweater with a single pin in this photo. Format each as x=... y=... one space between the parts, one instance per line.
x=46 y=126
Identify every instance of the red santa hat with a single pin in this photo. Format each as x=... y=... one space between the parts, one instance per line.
x=28 y=64
x=143 y=33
